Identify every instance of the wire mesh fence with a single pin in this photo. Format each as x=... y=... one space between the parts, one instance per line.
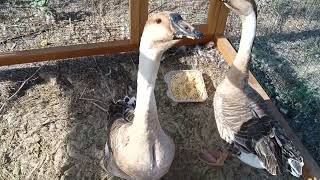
x=285 y=55
x=31 y=24
x=46 y=23
x=286 y=62
x=194 y=11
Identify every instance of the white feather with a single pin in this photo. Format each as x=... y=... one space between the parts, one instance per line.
x=294 y=164
x=251 y=160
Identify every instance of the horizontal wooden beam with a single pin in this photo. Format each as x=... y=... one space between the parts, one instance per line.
x=311 y=169
x=54 y=53
x=74 y=51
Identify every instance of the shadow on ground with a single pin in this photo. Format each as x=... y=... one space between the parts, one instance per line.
x=56 y=127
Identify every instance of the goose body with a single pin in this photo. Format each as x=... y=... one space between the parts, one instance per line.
x=242 y=116
x=138 y=148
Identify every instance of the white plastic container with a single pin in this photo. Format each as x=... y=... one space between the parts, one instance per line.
x=200 y=82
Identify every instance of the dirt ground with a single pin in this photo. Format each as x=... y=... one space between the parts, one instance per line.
x=55 y=125
x=55 y=128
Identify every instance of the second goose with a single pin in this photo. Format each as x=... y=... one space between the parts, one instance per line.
x=242 y=116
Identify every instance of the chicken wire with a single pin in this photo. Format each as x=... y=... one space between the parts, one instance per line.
x=32 y=24
x=194 y=12
x=26 y=24
x=286 y=62
x=285 y=55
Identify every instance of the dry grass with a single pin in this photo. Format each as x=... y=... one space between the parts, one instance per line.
x=56 y=128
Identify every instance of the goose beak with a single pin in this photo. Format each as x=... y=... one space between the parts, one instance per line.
x=183 y=29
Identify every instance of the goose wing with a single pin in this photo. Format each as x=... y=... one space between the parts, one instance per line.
x=256 y=132
x=122 y=116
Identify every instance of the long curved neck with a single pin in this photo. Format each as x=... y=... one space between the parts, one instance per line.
x=146 y=116
x=239 y=70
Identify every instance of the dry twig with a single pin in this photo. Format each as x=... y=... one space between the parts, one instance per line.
x=37 y=166
x=158 y=8
x=93 y=101
x=89 y=99
x=98 y=106
x=21 y=86
x=5 y=171
x=134 y=65
x=26 y=35
x=41 y=125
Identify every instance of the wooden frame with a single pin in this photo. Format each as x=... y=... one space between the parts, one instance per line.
x=73 y=51
x=217 y=16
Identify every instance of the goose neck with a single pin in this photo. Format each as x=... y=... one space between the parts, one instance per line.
x=238 y=73
x=247 y=37
x=146 y=117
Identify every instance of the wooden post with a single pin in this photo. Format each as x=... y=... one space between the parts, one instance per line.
x=222 y=19
x=138 y=17
x=217 y=17
x=134 y=6
x=144 y=5
x=212 y=16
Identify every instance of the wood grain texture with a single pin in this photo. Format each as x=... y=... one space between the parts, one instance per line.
x=217 y=17
x=311 y=169
x=213 y=13
x=144 y=5
x=222 y=19
x=64 y=52
x=134 y=13
x=138 y=18
x=74 y=51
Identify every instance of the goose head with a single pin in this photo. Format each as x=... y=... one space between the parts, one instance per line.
x=163 y=30
x=242 y=7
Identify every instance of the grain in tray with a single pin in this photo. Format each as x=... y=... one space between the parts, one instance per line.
x=186 y=85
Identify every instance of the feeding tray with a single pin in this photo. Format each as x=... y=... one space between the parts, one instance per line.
x=186 y=86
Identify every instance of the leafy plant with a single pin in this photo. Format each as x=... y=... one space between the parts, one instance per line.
x=39 y=3
x=43 y=5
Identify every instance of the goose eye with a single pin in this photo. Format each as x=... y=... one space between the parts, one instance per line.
x=158 y=21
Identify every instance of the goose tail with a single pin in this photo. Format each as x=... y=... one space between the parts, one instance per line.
x=295 y=166
x=292 y=158
x=278 y=153
x=123 y=108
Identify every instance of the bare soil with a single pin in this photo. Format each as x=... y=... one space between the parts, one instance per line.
x=55 y=128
